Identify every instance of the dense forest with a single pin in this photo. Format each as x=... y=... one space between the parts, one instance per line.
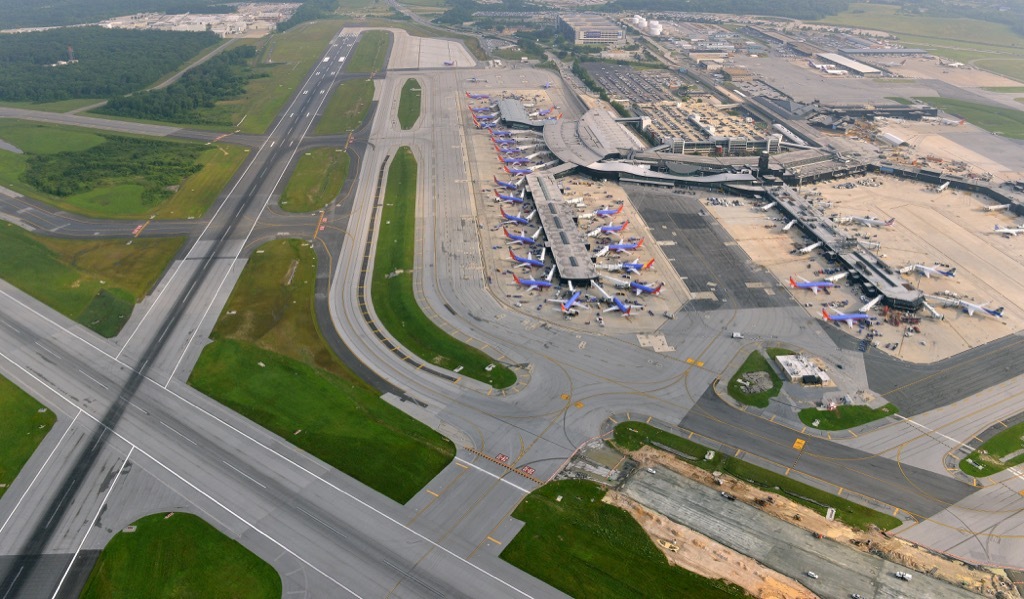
x=156 y=164
x=222 y=77
x=310 y=10
x=22 y=13
x=111 y=62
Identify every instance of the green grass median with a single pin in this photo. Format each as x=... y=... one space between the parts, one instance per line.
x=1004 y=450
x=409 y=104
x=369 y=54
x=633 y=435
x=95 y=282
x=179 y=556
x=587 y=548
x=392 y=291
x=23 y=426
x=269 y=363
x=844 y=417
x=755 y=362
x=347 y=107
x=317 y=179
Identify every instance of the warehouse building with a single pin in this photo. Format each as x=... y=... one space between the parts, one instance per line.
x=590 y=29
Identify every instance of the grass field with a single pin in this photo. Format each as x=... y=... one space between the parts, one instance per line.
x=368 y=55
x=286 y=59
x=992 y=453
x=393 y=297
x=409 y=104
x=996 y=119
x=24 y=424
x=755 y=362
x=347 y=107
x=317 y=179
x=61 y=106
x=179 y=556
x=197 y=193
x=133 y=195
x=587 y=548
x=844 y=417
x=633 y=435
x=1017 y=89
x=269 y=363
x=94 y=282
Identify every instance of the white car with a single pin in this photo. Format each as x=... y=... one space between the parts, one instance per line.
x=811 y=575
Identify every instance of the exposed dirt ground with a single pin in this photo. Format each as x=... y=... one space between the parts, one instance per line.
x=752 y=576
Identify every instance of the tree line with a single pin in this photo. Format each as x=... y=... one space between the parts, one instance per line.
x=111 y=62
x=222 y=77
x=310 y=10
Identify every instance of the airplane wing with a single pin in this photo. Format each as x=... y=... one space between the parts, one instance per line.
x=871 y=303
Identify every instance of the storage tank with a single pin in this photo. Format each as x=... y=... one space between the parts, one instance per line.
x=642 y=23
x=654 y=28
x=635 y=19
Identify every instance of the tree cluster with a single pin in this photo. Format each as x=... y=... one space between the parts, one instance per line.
x=19 y=13
x=154 y=164
x=110 y=61
x=222 y=77
x=310 y=10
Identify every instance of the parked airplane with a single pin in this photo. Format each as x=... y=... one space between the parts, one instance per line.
x=837 y=276
x=641 y=289
x=545 y=112
x=617 y=304
x=1009 y=231
x=485 y=118
x=847 y=318
x=812 y=285
x=501 y=133
x=810 y=248
x=609 y=212
x=449 y=63
x=518 y=219
x=631 y=267
x=514 y=159
x=484 y=125
x=768 y=207
x=532 y=284
x=553 y=118
x=511 y=185
x=518 y=171
x=516 y=238
x=481 y=109
x=508 y=198
x=477 y=96
x=608 y=229
x=508 y=149
x=928 y=271
x=547 y=85
x=968 y=307
x=528 y=261
x=626 y=247
x=867 y=221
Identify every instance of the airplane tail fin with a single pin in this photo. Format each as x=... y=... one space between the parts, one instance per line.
x=792 y=283
x=625 y=226
x=505 y=229
x=640 y=243
x=507 y=171
x=512 y=254
x=824 y=313
x=503 y=215
x=657 y=289
x=951 y=272
x=998 y=311
x=890 y=222
x=648 y=265
x=516 y=279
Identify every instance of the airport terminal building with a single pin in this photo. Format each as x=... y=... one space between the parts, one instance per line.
x=590 y=29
